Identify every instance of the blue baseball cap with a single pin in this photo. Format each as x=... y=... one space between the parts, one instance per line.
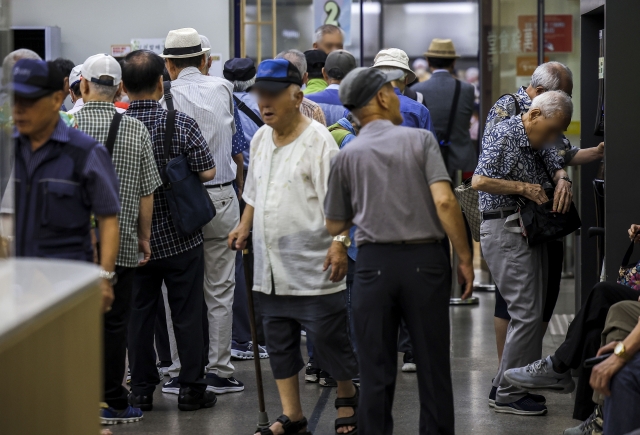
x=276 y=75
x=35 y=79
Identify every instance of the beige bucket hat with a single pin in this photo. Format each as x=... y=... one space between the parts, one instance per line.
x=396 y=58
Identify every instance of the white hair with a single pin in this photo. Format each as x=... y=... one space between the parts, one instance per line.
x=549 y=76
x=242 y=86
x=326 y=29
x=392 y=69
x=553 y=103
x=13 y=57
x=205 y=43
x=296 y=57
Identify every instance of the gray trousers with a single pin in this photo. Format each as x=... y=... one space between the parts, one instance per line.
x=520 y=272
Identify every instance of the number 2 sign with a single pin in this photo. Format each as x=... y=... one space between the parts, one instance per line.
x=334 y=12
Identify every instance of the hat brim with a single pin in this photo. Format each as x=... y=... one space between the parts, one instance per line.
x=31 y=92
x=410 y=74
x=441 y=56
x=271 y=87
x=182 y=56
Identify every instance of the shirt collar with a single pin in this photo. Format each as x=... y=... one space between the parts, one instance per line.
x=333 y=87
x=524 y=97
x=376 y=125
x=188 y=71
x=99 y=105
x=440 y=71
x=144 y=105
x=521 y=133
x=60 y=133
x=397 y=91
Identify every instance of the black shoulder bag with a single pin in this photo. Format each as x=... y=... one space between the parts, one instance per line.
x=444 y=139
x=540 y=224
x=247 y=111
x=168 y=98
x=113 y=132
x=189 y=203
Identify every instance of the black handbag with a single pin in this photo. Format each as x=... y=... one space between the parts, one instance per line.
x=189 y=203
x=540 y=224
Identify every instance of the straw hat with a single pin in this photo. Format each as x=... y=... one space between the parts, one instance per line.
x=396 y=58
x=183 y=43
x=442 y=48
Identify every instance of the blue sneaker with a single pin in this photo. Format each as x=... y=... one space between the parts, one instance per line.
x=171 y=387
x=524 y=406
x=244 y=351
x=111 y=416
x=536 y=397
x=223 y=385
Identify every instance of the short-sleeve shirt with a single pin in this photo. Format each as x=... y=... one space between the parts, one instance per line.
x=507 y=155
x=414 y=114
x=134 y=164
x=381 y=182
x=239 y=142
x=505 y=108
x=187 y=140
x=286 y=185
x=311 y=110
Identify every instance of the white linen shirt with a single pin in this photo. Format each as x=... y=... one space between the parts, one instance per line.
x=208 y=100
x=286 y=186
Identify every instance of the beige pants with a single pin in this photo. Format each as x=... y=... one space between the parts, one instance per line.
x=622 y=318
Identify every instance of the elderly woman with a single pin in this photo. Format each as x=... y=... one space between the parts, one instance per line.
x=285 y=190
x=514 y=161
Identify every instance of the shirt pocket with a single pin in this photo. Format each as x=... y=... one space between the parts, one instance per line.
x=62 y=207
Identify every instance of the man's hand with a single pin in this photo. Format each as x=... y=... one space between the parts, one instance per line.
x=240 y=234
x=562 y=197
x=608 y=348
x=107 y=295
x=240 y=190
x=600 y=149
x=144 y=246
x=633 y=233
x=535 y=193
x=465 y=278
x=337 y=259
x=602 y=373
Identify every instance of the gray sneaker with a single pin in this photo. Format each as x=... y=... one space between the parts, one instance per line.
x=591 y=426
x=541 y=376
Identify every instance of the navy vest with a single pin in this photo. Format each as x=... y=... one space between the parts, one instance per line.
x=53 y=214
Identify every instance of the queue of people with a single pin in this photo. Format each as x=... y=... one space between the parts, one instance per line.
x=341 y=177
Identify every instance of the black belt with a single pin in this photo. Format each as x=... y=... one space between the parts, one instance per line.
x=497 y=214
x=213 y=186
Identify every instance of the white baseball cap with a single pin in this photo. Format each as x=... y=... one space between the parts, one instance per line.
x=76 y=75
x=102 y=65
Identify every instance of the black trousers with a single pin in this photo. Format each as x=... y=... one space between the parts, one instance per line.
x=116 y=322
x=583 y=338
x=410 y=282
x=162 y=335
x=183 y=275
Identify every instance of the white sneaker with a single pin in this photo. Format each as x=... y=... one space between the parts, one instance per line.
x=541 y=376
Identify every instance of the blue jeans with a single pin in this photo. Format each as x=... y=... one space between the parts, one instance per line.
x=621 y=408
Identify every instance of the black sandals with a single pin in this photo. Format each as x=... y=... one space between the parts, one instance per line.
x=349 y=402
x=290 y=427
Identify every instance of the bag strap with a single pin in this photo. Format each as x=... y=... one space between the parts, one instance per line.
x=168 y=98
x=515 y=100
x=452 y=113
x=247 y=111
x=168 y=133
x=627 y=255
x=113 y=132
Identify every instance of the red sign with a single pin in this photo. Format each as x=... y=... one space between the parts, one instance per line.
x=558 y=33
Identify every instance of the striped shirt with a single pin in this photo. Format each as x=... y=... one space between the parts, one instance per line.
x=188 y=140
x=209 y=101
x=135 y=166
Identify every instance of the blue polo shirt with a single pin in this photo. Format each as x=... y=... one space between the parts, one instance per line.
x=329 y=102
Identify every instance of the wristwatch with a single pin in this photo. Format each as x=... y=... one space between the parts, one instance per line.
x=345 y=240
x=567 y=179
x=109 y=276
x=621 y=351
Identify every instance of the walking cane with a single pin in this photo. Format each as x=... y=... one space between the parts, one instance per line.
x=247 y=261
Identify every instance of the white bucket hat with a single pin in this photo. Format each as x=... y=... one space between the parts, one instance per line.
x=183 y=43
x=396 y=58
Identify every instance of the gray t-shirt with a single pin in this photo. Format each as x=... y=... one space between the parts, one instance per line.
x=381 y=181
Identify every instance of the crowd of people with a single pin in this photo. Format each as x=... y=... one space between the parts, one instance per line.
x=339 y=178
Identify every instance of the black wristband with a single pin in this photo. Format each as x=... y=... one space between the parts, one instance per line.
x=567 y=179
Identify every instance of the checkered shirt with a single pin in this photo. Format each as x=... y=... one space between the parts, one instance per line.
x=133 y=160
x=187 y=140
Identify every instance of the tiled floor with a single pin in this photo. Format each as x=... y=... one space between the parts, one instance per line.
x=474 y=363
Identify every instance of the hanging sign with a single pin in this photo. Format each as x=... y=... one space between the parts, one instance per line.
x=120 y=50
x=558 y=33
x=334 y=12
x=152 y=44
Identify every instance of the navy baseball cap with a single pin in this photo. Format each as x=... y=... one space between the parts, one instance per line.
x=276 y=75
x=36 y=78
x=239 y=69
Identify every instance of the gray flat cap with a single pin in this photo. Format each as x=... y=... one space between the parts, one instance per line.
x=362 y=84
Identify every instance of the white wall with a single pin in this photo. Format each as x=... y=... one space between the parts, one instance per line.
x=90 y=27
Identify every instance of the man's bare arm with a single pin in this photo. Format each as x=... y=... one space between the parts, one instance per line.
x=495 y=186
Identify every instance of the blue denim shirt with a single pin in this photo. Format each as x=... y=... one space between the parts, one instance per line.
x=415 y=115
x=248 y=125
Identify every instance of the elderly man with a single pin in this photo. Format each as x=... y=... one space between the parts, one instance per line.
x=329 y=38
x=339 y=63
x=308 y=107
x=414 y=114
x=286 y=186
x=550 y=76
x=209 y=101
x=133 y=159
x=514 y=162
x=315 y=79
x=402 y=270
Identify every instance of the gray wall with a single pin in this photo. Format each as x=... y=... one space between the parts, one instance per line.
x=90 y=27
